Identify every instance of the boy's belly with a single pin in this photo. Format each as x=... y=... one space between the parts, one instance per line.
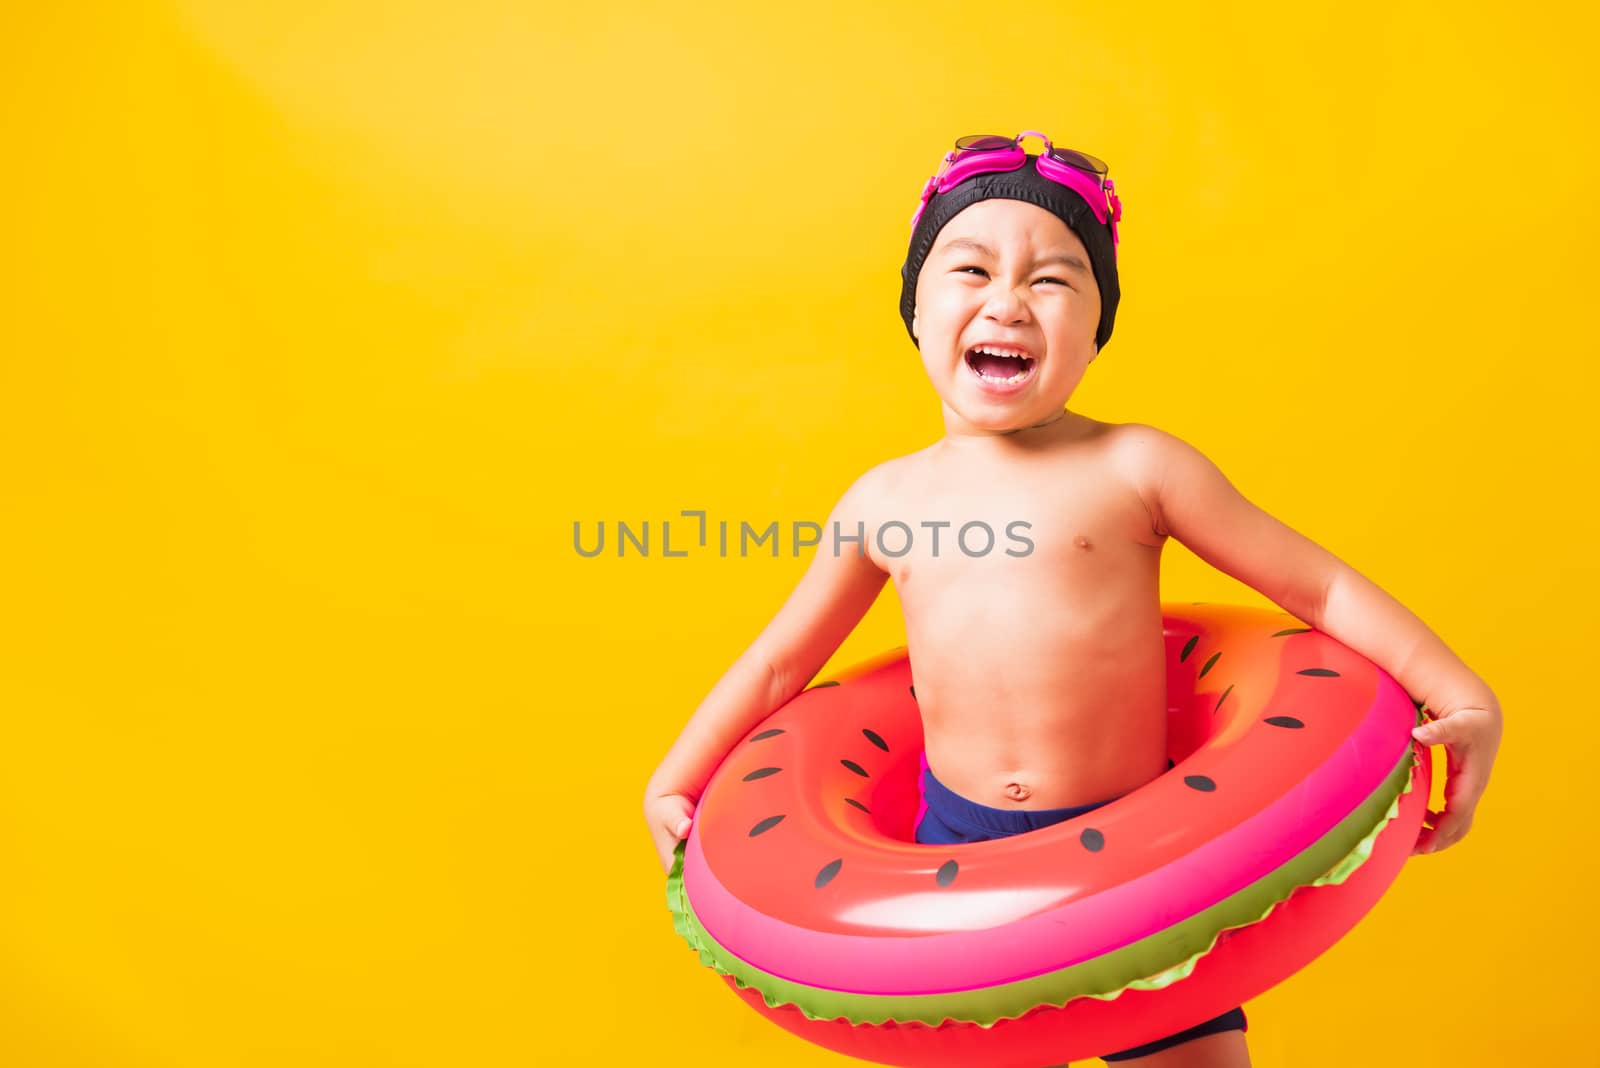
x=1044 y=717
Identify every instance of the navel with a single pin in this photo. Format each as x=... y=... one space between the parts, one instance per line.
x=1017 y=792
x=1083 y=543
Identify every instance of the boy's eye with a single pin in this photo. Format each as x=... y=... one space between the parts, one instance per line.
x=980 y=270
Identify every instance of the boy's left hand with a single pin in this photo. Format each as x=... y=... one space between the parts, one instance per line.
x=1470 y=735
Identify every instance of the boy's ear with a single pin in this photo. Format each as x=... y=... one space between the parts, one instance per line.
x=914 y=331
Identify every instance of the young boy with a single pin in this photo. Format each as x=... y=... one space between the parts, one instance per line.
x=1041 y=675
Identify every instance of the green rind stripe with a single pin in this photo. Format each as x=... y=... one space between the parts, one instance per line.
x=1141 y=965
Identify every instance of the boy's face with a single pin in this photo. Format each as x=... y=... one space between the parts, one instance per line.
x=1012 y=290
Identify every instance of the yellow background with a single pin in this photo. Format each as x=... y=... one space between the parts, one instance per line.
x=323 y=322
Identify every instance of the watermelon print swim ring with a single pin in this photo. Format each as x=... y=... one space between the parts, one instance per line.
x=1296 y=796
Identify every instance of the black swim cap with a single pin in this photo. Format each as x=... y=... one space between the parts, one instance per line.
x=1025 y=184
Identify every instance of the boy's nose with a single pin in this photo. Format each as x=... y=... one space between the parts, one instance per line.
x=1006 y=306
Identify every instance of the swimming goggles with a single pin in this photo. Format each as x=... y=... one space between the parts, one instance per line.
x=990 y=153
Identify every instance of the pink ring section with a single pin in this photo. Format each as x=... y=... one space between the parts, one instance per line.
x=1081 y=930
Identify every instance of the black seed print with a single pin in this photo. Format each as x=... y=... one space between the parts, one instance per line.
x=1188 y=647
x=1092 y=840
x=765 y=825
x=1284 y=721
x=1223 y=698
x=761 y=773
x=1199 y=782
x=1293 y=630
x=1323 y=672
x=1209 y=663
x=820 y=685
x=857 y=768
x=858 y=804
x=767 y=734
x=947 y=873
x=913 y=690
x=875 y=738
x=829 y=870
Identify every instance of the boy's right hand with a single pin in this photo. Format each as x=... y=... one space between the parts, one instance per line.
x=668 y=816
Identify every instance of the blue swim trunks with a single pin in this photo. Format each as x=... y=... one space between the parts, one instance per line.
x=951 y=818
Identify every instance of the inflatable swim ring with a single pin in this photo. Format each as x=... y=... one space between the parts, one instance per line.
x=1297 y=795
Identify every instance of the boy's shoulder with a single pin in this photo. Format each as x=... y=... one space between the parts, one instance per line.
x=877 y=491
x=879 y=481
x=1140 y=447
x=1143 y=455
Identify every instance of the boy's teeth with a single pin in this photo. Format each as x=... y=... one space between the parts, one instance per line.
x=998 y=360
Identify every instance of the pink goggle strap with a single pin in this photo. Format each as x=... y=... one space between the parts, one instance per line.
x=957 y=166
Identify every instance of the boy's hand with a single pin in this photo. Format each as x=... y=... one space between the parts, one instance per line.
x=1471 y=738
x=668 y=817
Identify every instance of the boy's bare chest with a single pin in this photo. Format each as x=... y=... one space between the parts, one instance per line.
x=1054 y=523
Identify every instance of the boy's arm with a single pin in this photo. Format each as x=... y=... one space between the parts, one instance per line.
x=825 y=606
x=1191 y=500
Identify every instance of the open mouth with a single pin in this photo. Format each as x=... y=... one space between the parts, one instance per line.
x=995 y=365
